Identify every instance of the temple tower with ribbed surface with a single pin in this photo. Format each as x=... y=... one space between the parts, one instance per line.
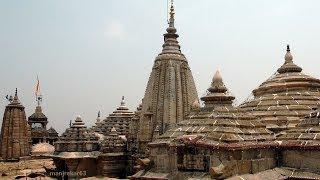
x=170 y=90
x=15 y=131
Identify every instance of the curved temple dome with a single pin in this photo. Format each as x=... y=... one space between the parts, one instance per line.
x=285 y=98
x=305 y=135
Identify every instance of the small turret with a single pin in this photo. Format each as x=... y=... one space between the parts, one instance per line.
x=217 y=93
x=288 y=65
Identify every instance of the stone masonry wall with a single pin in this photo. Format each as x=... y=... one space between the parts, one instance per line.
x=306 y=159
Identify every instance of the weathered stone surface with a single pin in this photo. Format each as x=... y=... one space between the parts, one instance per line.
x=77 y=138
x=24 y=167
x=302 y=159
x=112 y=162
x=120 y=119
x=15 y=132
x=244 y=167
x=39 y=133
x=285 y=98
x=170 y=91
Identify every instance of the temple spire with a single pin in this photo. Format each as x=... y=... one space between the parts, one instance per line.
x=217 y=93
x=123 y=103
x=16 y=98
x=288 y=57
x=171 y=44
x=288 y=65
x=171 y=19
x=98 y=114
x=98 y=120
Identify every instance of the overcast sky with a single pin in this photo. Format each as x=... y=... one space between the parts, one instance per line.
x=89 y=53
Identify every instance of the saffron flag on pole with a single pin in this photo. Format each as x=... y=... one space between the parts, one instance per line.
x=37 y=89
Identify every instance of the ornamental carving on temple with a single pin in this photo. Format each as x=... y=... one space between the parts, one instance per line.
x=15 y=139
x=170 y=90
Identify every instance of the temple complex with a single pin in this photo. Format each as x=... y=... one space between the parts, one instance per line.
x=170 y=90
x=218 y=139
x=15 y=131
x=175 y=135
x=286 y=98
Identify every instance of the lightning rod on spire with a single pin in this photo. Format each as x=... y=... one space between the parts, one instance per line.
x=171 y=13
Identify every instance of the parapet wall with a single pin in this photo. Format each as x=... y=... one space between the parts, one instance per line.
x=219 y=163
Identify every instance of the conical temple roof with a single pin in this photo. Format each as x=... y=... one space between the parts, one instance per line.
x=171 y=45
x=305 y=135
x=120 y=120
x=15 y=138
x=288 y=65
x=122 y=110
x=287 y=78
x=217 y=93
x=38 y=115
x=170 y=91
x=78 y=123
x=52 y=131
x=77 y=131
x=75 y=138
x=285 y=98
x=14 y=101
x=219 y=126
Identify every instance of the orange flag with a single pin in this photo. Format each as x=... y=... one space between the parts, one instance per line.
x=37 y=89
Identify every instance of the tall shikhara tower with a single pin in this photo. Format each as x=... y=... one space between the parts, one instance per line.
x=170 y=90
x=15 y=131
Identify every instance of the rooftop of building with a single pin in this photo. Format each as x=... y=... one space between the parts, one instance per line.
x=218 y=124
x=286 y=98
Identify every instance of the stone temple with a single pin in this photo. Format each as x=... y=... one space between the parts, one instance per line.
x=15 y=131
x=120 y=119
x=170 y=90
x=171 y=135
x=285 y=98
x=39 y=132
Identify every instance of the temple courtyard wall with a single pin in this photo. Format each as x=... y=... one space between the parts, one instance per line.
x=219 y=163
x=307 y=159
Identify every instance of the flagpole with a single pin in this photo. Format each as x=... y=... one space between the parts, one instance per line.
x=37 y=92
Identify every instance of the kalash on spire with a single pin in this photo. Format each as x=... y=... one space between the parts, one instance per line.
x=170 y=91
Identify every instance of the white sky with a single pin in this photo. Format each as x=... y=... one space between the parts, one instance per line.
x=89 y=53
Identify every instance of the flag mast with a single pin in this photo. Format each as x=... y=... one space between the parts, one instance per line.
x=37 y=92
